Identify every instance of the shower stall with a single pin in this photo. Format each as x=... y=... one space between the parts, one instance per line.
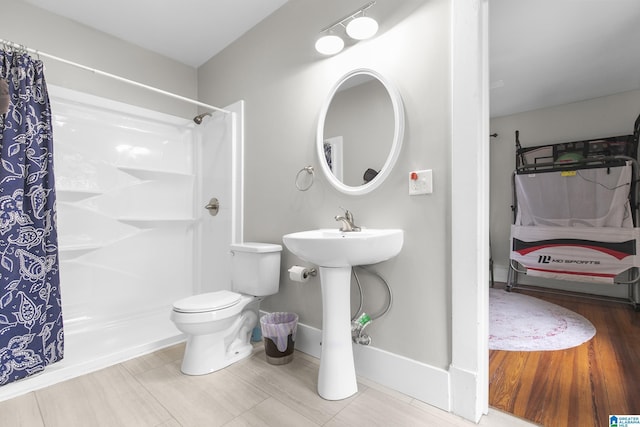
x=134 y=235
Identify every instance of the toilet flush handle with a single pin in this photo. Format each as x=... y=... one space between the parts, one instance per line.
x=213 y=207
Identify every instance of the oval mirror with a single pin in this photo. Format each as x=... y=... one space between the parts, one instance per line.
x=360 y=131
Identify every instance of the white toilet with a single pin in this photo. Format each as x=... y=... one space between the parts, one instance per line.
x=218 y=324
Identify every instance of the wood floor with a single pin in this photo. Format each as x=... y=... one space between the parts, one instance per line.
x=580 y=386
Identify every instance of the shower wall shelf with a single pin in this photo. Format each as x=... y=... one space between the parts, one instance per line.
x=151 y=174
x=103 y=270
x=68 y=195
x=79 y=244
x=68 y=253
x=147 y=223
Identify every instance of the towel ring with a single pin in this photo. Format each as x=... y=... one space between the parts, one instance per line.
x=309 y=171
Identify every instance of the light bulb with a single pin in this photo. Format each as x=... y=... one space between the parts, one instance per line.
x=329 y=44
x=362 y=28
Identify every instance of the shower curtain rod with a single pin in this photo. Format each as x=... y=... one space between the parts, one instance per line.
x=113 y=76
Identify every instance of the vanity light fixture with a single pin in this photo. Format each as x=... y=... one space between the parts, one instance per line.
x=357 y=26
x=329 y=44
x=362 y=28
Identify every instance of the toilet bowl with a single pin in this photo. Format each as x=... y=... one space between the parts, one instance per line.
x=218 y=334
x=218 y=325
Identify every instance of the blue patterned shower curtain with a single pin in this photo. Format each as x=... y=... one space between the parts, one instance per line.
x=31 y=333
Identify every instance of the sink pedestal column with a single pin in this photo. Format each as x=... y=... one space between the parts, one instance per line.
x=337 y=376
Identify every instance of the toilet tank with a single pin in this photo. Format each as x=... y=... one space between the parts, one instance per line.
x=255 y=268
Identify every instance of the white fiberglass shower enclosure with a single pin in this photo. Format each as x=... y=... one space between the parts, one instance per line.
x=134 y=235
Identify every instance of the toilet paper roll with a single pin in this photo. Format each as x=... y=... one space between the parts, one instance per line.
x=299 y=274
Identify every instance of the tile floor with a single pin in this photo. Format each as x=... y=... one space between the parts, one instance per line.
x=151 y=391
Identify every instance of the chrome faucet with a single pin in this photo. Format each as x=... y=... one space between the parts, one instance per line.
x=347 y=221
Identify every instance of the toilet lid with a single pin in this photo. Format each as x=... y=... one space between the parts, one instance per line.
x=207 y=302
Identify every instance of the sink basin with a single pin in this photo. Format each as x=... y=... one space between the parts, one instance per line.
x=335 y=248
x=335 y=252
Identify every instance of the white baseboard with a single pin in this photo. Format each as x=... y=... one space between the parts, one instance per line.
x=464 y=383
x=415 y=379
x=500 y=273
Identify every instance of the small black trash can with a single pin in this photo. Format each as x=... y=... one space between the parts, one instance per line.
x=279 y=333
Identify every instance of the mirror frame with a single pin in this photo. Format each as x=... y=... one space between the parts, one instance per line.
x=396 y=146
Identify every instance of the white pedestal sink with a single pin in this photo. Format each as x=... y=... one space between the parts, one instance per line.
x=335 y=252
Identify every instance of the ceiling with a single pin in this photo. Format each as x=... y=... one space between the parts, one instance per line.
x=553 y=52
x=189 y=31
x=542 y=52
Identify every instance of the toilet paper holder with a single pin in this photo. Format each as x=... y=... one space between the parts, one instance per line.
x=311 y=272
x=299 y=273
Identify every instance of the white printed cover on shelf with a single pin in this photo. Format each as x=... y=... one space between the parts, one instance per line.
x=588 y=254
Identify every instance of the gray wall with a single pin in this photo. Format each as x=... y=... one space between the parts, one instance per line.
x=61 y=37
x=596 y=118
x=284 y=82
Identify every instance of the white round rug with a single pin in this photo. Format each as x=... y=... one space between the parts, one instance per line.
x=522 y=323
